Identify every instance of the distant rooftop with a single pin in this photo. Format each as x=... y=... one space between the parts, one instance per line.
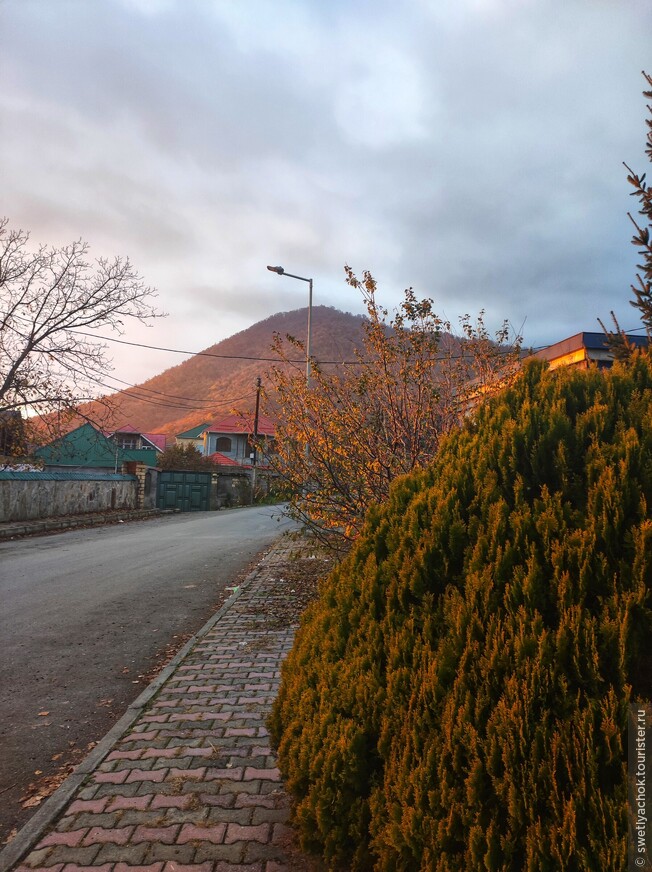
x=194 y=432
x=582 y=349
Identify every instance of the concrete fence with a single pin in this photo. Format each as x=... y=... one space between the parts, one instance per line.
x=31 y=495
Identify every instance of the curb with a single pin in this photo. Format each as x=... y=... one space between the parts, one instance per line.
x=12 y=529
x=28 y=836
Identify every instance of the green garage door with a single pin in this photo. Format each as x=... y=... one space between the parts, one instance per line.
x=185 y=491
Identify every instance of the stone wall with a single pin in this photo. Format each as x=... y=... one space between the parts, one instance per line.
x=147 y=481
x=31 y=495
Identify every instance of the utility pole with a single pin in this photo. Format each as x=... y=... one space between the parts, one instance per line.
x=255 y=454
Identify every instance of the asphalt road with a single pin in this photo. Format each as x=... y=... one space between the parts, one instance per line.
x=87 y=617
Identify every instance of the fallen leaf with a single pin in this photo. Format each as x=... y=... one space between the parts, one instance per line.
x=43 y=714
x=32 y=801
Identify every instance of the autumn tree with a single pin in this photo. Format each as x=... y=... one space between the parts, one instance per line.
x=184 y=457
x=51 y=301
x=342 y=439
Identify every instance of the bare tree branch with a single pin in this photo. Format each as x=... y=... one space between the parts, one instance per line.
x=46 y=294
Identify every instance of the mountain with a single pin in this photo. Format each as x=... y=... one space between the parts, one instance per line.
x=204 y=387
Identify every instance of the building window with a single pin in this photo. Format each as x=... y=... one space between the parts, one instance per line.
x=126 y=441
x=223 y=443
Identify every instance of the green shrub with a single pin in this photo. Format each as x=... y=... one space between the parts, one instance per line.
x=457 y=697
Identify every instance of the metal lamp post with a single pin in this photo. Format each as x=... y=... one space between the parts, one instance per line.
x=280 y=271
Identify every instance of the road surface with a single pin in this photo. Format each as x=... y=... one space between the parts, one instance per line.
x=88 y=616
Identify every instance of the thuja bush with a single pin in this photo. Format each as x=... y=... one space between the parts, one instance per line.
x=457 y=696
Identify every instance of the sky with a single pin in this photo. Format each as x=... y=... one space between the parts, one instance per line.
x=472 y=150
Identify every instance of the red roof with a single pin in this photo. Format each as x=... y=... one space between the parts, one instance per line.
x=242 y=425
x=158 y=439
x=222 y=459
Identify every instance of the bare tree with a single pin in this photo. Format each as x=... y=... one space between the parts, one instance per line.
x=342 y=440
x=50 y=300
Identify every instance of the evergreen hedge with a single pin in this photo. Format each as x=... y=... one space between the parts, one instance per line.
x=457 y=696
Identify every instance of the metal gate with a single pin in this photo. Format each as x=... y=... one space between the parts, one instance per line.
x=184 y=491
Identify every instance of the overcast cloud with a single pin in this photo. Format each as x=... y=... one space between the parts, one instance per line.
x=472 y=150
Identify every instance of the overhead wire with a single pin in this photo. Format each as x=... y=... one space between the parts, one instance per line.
x=265 y=359
x=154 y=402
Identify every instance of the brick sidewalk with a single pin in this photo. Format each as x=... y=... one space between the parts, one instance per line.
x=193 y=783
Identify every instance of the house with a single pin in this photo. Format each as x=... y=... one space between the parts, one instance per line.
x=88 y=449
x=194 y=436
x=231 y=437
x=130 y=438
x=582 y=350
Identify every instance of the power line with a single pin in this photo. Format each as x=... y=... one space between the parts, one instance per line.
x=272 y=359
x=191 y=353
x=154 y=402
x=302 y=361
x=160 y=393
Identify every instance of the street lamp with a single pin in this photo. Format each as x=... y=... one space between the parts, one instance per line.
x=280 y=271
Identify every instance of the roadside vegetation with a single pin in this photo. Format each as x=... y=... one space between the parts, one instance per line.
x=457 y=696
x=342 y=439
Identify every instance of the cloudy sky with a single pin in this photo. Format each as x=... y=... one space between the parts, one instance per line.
x=471 y=149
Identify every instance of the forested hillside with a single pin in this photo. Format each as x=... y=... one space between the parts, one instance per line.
x=204 y=387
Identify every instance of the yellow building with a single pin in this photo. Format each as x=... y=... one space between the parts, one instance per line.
x=582 y=350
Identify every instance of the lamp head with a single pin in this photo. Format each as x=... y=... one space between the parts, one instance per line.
x=276 y=269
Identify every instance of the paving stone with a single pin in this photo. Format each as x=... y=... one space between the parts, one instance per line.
x=94 y=820
x=177 y=867
x=25 y=868
x=239 y=867
x=116 y=835
x=73 y=867
x=146 y=775
x=192 y=833
x=230 y=773
x=162 y=801
x=231 y=815
x=96 y=806
x=159 y=788
x=174 y=853
x=110 y=777
x=161 y=835
x=126 y=802
x=239 y=833
x=72 y=838
x=159 y=753
x=80 y=856
x=124 y=867
x=131 y=855
x=117 y=789
x=125 y=755
x=88 y=792
x=225 y=853
x=263 y=774
x=149 y=818
x=36 y=859
x=179 y=816
x=196 y=774
x=119 y=765
x=247 y=800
